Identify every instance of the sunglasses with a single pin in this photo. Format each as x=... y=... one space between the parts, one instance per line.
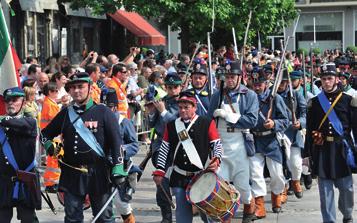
x=123 y=72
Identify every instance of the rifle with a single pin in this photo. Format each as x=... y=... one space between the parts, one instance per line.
x=235 y=44
x=312 y=73
x=148 y=156
x=304 y=74
x=292 y=100
x=210 y=81
x=279 y=74
x=245 y=39
x=291 y=95
x=193 y=56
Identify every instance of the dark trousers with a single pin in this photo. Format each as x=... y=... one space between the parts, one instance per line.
x=73 y=208
x=24 y=214
x=162 y=201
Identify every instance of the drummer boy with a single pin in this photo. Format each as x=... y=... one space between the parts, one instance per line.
x=190 y=144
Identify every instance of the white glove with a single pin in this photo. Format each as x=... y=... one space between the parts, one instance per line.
x=220 y=113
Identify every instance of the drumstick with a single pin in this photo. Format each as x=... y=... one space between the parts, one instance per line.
x=167 y=197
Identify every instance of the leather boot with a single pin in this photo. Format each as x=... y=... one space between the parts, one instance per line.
x=290 y=189
x=260 y=211
x=297 y=188
x=248 y=212
x=276 y=202
x=284 y=195
x=166 y=214
x=130 y=219
x=307 y=181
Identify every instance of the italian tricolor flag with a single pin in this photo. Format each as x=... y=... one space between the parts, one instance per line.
x=9 y=61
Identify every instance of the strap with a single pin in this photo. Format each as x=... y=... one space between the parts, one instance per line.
x=322 y=98
x=229 y=99
x=11 y=158
x=200 y=102
x=84 y=132
x=187 y=143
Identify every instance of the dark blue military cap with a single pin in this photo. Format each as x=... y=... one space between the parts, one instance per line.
x=268 y=68
x=173 y=79
x=13 y=92
x=181 y=69
x=258 y=75
x=296 y=74
x=199 y=68
x=79 y=77
x=328 y=69
x=109 y=97
x=151 y=94
x=233 y=68
x=285 y=74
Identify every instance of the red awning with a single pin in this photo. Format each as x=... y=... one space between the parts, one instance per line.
x=137 y=25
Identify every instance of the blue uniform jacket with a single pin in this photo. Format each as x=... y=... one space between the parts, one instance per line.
x=159 y=121
x=130 y=142
x=300 y=112
x=248 y=106
x=203 y=101
x=269 y=145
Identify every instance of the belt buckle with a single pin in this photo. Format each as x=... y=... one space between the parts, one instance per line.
x=183 y=135
x=13 y=178
x=230 y=129
x=329 y=138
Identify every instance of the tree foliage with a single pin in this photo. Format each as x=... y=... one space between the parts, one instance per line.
x=194 y=17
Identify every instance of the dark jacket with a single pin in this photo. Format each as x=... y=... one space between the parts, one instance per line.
x=78 y=153
x=21 y=133
x=329 y=160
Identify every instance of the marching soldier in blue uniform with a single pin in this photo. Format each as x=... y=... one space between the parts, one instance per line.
x=331 y=118
x=160 y=113
x=294 y=131
x=20 y=186
x=236 y=110
x=268 y=148
x=93 y=156
x=131 y=147
x=199 y=80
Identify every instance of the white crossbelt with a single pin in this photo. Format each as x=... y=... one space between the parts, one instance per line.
x=187 y=143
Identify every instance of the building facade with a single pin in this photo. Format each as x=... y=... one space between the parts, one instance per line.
x=324 y=24
x=44 y=28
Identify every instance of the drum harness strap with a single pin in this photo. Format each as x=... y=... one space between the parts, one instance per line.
x=177 y=169
x=187 y=143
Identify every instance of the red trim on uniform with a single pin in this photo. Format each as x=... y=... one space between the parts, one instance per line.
x=212 y=132
x=160 y=173
x=166 y=135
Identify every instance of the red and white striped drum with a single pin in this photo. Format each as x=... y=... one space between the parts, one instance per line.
x=211 y=194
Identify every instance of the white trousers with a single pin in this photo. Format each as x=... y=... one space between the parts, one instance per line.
x=235 y=165
x=121 y=207
x=277 y=179
x=295 y=163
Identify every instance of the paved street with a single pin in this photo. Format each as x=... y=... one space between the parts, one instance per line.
x=305 y=210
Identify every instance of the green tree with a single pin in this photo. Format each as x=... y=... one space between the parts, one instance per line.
x=194 y=17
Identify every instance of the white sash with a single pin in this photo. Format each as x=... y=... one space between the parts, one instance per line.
x=187 y=143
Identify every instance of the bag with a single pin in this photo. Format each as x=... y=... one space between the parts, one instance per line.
x=350 y=156
x=249 y=144
x=31 y=180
